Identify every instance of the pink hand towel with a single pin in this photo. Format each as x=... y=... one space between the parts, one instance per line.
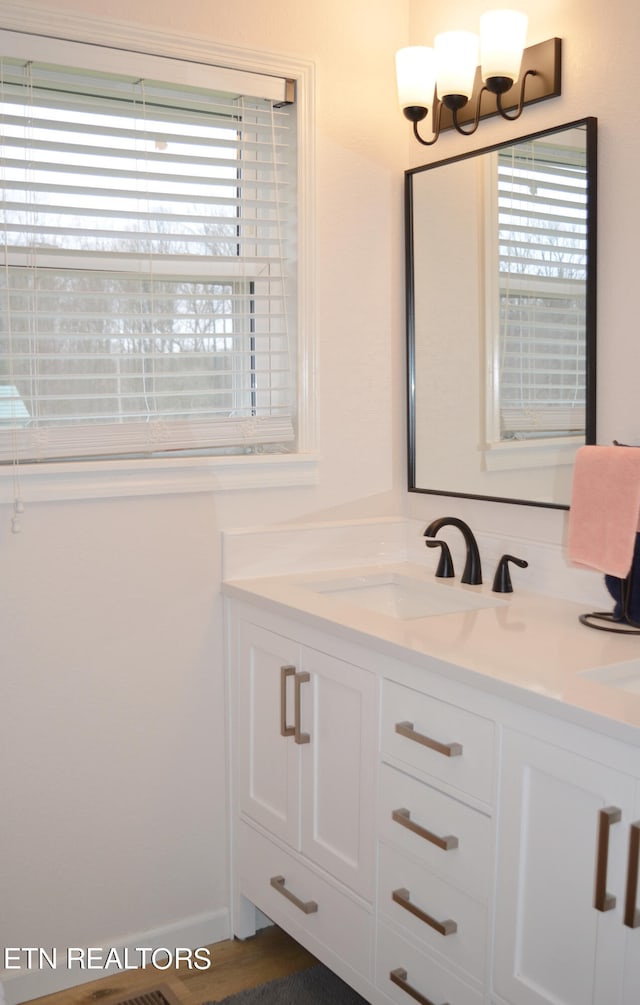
x=605 y=508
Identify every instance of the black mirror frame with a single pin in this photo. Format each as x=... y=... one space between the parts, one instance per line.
x=590 y=123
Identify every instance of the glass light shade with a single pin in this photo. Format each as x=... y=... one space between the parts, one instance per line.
x=503 y=35
x=456 y=62
x=416 y=76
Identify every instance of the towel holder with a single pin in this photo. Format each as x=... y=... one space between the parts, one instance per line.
x=610 y=618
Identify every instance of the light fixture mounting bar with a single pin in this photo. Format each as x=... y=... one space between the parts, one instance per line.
x=545 y=58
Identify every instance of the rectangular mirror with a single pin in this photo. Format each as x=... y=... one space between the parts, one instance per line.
x=501 y=316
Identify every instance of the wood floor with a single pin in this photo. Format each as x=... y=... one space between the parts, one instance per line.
x=234 y=966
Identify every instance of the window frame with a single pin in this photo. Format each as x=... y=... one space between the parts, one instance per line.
x=530 y=451
x=109 y=478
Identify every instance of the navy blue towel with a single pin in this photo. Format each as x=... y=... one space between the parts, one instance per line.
x=615 y=588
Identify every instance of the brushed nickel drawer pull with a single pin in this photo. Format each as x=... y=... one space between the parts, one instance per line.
x=399 y=977
x=448 y=749
x=306 y=906
x=285 y=672
x=403 y=817
x=403 y=898
x=298 y=681
x=603 y=901
x=631 y=912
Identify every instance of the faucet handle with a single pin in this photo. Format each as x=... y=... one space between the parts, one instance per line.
x=502 y=578
x=445 y=564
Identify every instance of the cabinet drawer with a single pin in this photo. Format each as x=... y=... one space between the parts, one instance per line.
x=441 y=917
x=345 y=927
x=467 y=864
x=419 y=973
x=442 y=740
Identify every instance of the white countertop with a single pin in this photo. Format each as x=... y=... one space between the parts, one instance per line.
x=530 y=648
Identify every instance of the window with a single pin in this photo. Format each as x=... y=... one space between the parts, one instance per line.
x=539 y=344
x=146 y=295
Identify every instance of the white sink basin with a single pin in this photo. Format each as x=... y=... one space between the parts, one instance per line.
x=624 y=676
x=403 y=597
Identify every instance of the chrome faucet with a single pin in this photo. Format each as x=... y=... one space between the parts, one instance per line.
x=472 y=573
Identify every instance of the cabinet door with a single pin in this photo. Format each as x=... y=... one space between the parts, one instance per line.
x=338 y=713
x=552 y=946
x=268 y=762
x=631 y=909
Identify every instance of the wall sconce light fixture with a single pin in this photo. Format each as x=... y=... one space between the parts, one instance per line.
x=447 y=81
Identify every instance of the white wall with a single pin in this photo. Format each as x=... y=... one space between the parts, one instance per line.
x=112 y=721
x=596 y=41
x=111 y=712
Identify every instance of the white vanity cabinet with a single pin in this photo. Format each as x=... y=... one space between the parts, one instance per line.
x=429 y=838
x=304 y=751
x=567 y=876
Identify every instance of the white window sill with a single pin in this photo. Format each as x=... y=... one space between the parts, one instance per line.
x=542 y=453
x=112 y=479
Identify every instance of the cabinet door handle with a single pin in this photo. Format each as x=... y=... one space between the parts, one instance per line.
x=298 y=681
x=403 y=817
x=403 y=898
x=285 y=672
x=602 y=900
x=306 y=906
x=399 y=977
x=631 y=912
x=448 y=749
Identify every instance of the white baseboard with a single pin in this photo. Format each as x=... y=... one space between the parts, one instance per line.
x=191 y=933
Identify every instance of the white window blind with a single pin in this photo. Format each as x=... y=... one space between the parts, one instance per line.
x=148 y=265
x=542 y=238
